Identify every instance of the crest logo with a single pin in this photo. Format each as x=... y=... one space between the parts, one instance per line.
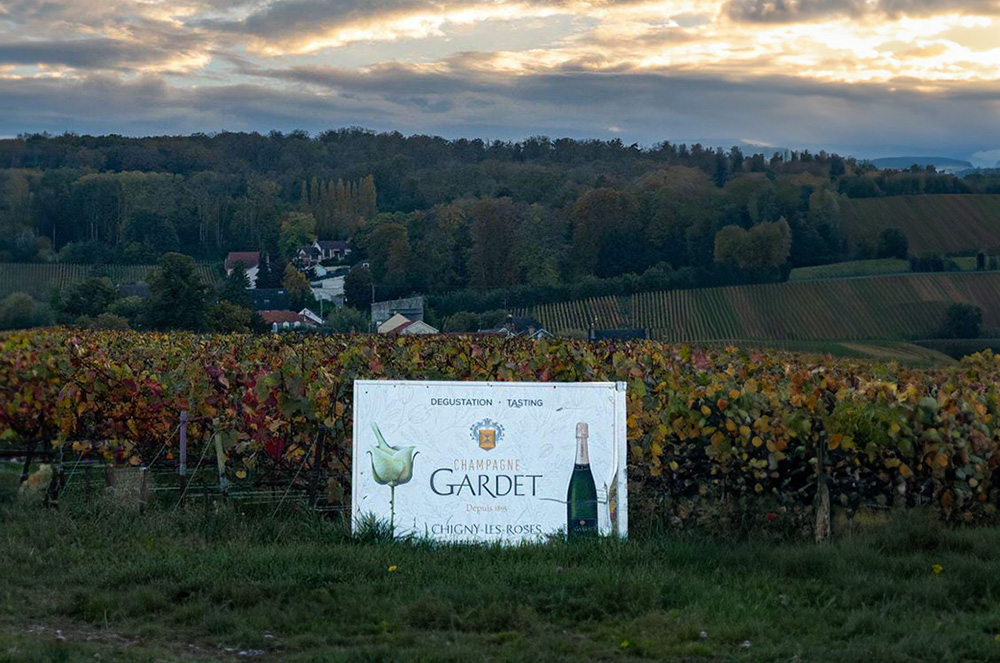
x=487 y=434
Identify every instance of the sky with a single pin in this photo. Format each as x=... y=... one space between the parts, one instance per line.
x=868 y=78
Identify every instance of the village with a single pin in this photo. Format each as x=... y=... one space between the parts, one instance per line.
x=326 y=264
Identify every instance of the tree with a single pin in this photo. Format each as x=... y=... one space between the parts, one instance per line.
x=962 y=320
x=347 y=320
x=234 y=287
x=178 y=298
x=604 y=231
x=227 y=317
x=297 y=230
x=492 y=261
x=297 y=286
x=129 y=308
x=766 y=245
x=91 y=297
x=358 y=288
x=151 y=230
x=104 y=321
x=729 y=244
x=388 y=248
x=460 y=322
x=893 y=243
x=20 y=311
x=270 y=271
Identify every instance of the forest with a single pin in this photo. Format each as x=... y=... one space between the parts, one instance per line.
x=475 y=224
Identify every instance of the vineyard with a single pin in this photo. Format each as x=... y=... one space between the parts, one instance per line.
x=716 y=438
x=946 y=223
x=893 y=307
x=40 y=280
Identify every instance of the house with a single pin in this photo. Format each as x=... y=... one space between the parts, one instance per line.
x=320 y=250
x=332 y=249
x=307 y=256
x=329 y=286
x=306 y=313
x=400 y=325
x=251 y=263
x=411 y=308
x=290 y=320
x=522 y=326
x=270 y=299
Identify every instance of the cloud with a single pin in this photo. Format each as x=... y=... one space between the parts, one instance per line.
x=916 y=73
x=792 y=11
x=80 y=53
x=789 y=11
x=303 y=26
x=868 y=119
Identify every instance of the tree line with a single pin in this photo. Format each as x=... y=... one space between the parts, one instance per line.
x=538 y=217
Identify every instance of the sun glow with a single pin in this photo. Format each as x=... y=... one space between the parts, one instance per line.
x=587 y=35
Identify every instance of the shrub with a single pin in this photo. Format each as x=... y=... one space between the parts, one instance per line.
x=962 y=320
x=345 y=320
x=20 y=311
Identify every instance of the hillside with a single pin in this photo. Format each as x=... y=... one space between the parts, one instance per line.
x=852 y=268
x=945 y=223
x=895 y=308
x=40 y=280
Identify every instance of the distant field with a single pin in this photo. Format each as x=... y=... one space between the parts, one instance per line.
x=852 y=268
x=40 y=279
x=945 y=223
x=892 y=308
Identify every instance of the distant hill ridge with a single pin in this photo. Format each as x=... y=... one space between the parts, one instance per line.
x=902 y=163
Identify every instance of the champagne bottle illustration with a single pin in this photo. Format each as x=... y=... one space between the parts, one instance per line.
x=581 y=497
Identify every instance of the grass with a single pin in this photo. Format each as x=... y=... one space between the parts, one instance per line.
x=207 y=584
x=851 y=269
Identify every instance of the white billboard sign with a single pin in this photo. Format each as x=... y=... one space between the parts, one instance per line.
x=490 y=461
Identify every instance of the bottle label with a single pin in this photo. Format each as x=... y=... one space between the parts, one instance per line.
x=582 y=527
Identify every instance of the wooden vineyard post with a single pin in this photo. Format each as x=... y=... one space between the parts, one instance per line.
x=182 y=463
x=143 y=488
x=28 y=457
x=822 y=495
x=316 y=468
x=86 y=483
x=220 y=459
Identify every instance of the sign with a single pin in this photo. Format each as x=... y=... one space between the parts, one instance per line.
x=490 y=461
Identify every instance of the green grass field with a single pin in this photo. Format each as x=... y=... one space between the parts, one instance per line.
x=949 y=223
x=850 y=269
x=40 y=280
x=210 y=585
x=884 y=308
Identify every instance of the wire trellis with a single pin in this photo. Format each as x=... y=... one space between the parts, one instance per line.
x=169 y=482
